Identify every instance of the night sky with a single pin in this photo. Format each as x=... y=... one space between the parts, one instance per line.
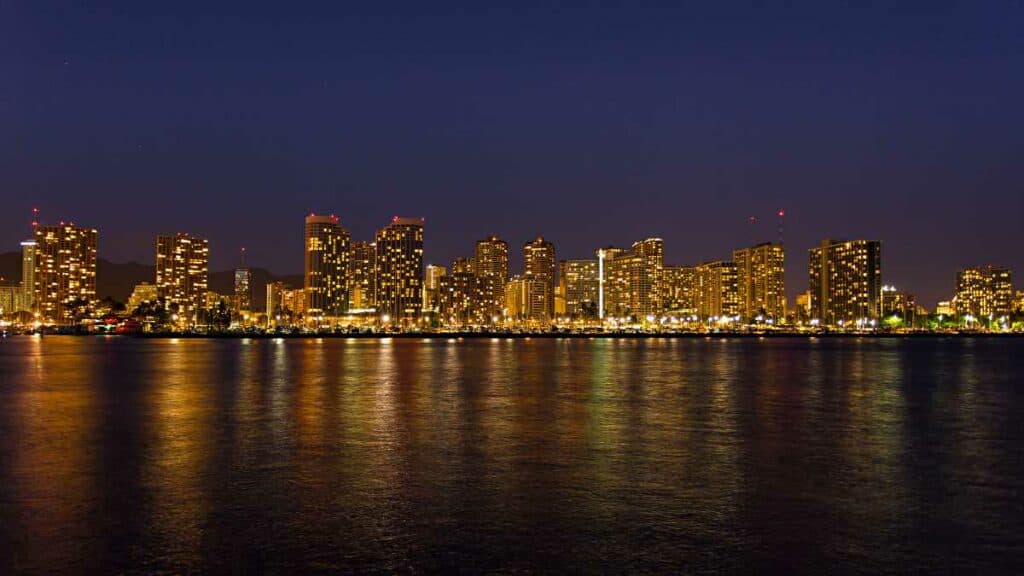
x=590 y=123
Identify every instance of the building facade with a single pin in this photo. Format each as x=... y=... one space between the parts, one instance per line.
x=984 y=291
x=326 y=280
x=12 y=299
x=898 y=306
x=243 y=290
x=646 y=266
x=527 y=300
x=633 y=283
x=539 y=266
x=491 y=268
x=680 y=290
x=28 y=273
x=182 y=274
x=65 y=271
x=285 y=305
x=845 y=279
x=431 y=287
x=142 y=293
x=400 y=270
x=613 y=282
x=363 y=276
x=458 y=298
x=760 y=277
x=717 y=290
x=579 y=285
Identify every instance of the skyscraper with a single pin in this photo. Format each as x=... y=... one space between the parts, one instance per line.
x=458 y=298
x=761 y=280
x=326 y=281
x=845 y=280
x=400 y=270
x=243 y=289
x=613 y=281
x=432 y=287
x=65 y=270
x=12 y=299
x=491 y=262
x=28 y=273
x=680 y=289
x=984 y=291
x=539 y=265
x=363 y=275
x=633 y=282
x=579 y=286
x=646 y=265
x=182 y=273
x=526 y=300
x=717 y=293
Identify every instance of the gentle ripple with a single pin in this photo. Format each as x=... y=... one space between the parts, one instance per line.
x=542 y=455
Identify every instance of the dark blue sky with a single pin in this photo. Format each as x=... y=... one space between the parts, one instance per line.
x=591 y=123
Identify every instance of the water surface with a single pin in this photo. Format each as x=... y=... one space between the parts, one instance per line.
x=788 y=454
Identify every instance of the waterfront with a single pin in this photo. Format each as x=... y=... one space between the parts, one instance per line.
x=659 y=455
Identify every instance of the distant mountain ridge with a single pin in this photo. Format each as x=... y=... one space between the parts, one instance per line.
x=118 y=279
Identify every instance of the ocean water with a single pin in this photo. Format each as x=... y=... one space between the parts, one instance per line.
x=783 y=455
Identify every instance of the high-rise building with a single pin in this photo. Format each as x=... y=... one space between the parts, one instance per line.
x=647 y=261
x=539 y=265
x=182 y=274
x=458 y=298
x=491 y=267
x=363 y=275
x=761 y=280
x=275 y=290
x=400 y=270
x=526 y=300
x=1018 y=302
x=28 y=272
x=559 y=302
x=12 y=299
x=243 y=289
x=717 y=292
x=65 y=271
x=579 y=286
x=984 y=291
x=845 y=281
x=326 y=281
x=680 y=290
x=634 y=279
x=613 y=282
x=432 y=286
x=285 y=305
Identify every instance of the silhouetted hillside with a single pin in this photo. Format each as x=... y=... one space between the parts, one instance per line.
x=10 y=267
x=117 y=279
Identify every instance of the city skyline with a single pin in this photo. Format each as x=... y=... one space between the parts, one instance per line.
x=347 y=270
x=392 y=285
x=589 y=126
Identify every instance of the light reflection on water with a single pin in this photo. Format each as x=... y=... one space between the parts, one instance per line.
x=493 y=454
